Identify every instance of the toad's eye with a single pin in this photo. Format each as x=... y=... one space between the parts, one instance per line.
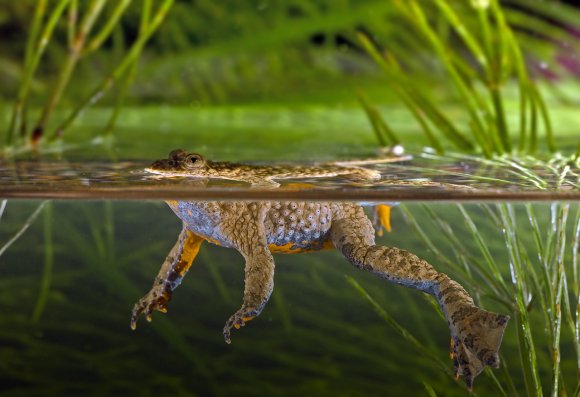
x=193 y=161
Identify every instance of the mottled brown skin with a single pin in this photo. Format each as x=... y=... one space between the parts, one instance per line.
x=256 y=229
x=193 y=165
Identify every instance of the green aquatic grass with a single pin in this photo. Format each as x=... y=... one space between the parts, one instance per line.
x=102 y=259
x=269 y=55
x=80 y=22
x=316 y=323
x=123 y=66
x=402 y=331
x=34 y=50
x=77 y=38
x=131 y=73
x=480 y=86
x=543 y=281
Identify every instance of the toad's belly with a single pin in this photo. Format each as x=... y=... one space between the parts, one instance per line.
x=295 y=227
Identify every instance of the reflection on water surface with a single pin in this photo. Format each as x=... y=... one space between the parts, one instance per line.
x=425 y=177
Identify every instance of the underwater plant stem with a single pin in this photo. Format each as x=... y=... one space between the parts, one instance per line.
x=23 y=228
x=528 y=351
x=576 y=288
x=109 y=223
x=3 y=207
x=48 y=266
x=30 y=67
x=216 y=276
x=397 y=327
x=429 y=390
x=74 y=54
x=559 y=282
x=110 y=80
x=484 y=250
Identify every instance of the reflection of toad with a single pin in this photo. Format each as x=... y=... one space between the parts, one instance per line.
x=258 y=229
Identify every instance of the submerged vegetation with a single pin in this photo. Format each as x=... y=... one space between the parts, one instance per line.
x=95 y=267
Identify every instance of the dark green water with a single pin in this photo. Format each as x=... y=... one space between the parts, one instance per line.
x=65 y=329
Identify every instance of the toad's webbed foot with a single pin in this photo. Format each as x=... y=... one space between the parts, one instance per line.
x=475 y=341
x=238 y=320
x=156 y=299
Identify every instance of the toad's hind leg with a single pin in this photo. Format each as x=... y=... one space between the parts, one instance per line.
x=169 y=277
x=476 y=334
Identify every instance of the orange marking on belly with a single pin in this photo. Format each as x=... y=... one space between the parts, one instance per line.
x=211 y=240
x=298 y=186
x=291 y=248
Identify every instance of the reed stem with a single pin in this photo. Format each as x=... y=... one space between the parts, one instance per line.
x=74 y=54
x=107 y=29
x=31 y=66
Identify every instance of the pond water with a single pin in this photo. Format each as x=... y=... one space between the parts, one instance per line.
x=508 y=233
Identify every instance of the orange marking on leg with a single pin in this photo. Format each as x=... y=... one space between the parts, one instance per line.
x=191 y=248
x=384 y=213
x=451 y=349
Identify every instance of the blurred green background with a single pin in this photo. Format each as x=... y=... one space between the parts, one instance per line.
x=275 y=73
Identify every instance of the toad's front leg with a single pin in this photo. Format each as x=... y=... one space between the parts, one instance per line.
x=169 y=277
x=259 y=282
